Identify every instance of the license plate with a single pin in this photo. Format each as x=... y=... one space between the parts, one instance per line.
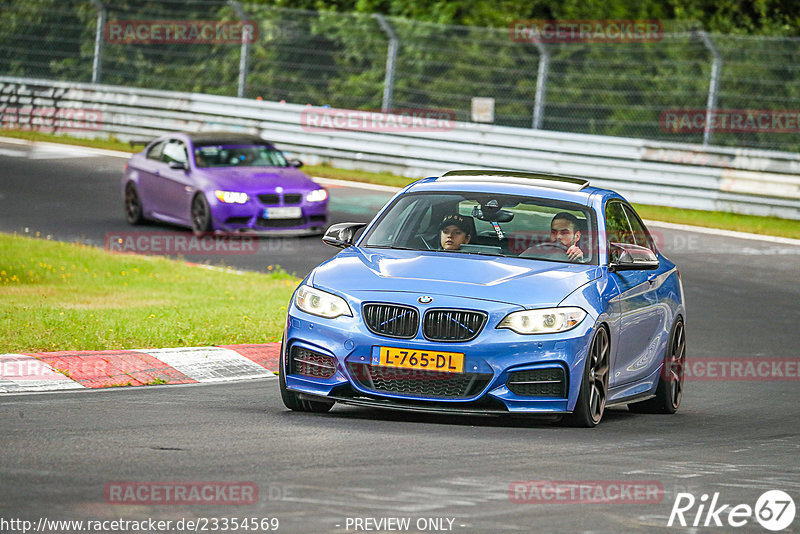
x=428 y=360
x=289 y=212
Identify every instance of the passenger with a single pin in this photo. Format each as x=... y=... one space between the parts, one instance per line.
x=455 y=230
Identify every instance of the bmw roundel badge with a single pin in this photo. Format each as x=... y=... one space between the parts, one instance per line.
x=425 y=299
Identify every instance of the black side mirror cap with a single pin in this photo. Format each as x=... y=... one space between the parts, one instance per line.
x=178 y=165
x=626 y=257
x=295 y=163
x=341 y=235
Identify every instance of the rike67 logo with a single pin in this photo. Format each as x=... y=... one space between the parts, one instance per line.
x=774 y=510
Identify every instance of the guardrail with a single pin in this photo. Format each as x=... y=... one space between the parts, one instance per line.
x=691 y=176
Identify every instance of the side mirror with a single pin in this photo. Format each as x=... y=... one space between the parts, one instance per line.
x=341 y=235
x=625 y=257
x=178 y=165
x=295 y=163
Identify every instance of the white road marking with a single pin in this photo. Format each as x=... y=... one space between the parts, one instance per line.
x=10 y=152
x=210 y=364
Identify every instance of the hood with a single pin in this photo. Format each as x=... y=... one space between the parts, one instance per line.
x=522 y=282
x=257 y=179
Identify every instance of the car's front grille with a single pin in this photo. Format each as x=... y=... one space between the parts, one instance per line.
x=452 y=325
x=269 y=199
x=292 y=198
x=548 y=382
x=391 y=320
x=317 y=219
x=279 y=223
x=417 y=382
x=237 y=220
x=310 y=363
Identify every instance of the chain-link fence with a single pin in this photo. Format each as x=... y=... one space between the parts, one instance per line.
x=371 y=62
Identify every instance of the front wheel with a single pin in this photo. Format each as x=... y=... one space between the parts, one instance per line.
x=134 y=212
x=293 y=401
x=591 y=402
x=670 y=386
x=201 y=215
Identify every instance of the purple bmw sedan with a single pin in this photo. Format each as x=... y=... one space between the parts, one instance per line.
x=222 y=181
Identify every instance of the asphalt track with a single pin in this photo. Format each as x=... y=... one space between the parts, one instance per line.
x=737 y=438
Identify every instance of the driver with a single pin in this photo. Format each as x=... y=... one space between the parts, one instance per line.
x=565 y=234
x=455 y=230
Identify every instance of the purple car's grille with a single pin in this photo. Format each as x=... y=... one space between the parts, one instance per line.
x=269 y=199
x=280 y=223
x=309 y=363
x=417 y=382
x=452 y=325
x=538 y=383
x=391 y=320
x=292 y=198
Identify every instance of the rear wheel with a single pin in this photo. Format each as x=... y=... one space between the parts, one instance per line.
x=134 y=212
x=591 y=402
x=293 y=401
x=201 y=215
x=670 y=386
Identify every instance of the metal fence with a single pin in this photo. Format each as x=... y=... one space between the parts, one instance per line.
x=357 y=61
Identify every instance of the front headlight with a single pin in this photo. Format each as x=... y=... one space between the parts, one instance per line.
x=231 y=197
x=545 y=321
x=321 y=303
x=317 y=195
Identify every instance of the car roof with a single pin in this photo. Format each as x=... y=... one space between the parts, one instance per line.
x=223 y=137
x=543 y=185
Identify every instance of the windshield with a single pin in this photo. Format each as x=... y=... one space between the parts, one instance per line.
x=239 y=156
x=488 y=224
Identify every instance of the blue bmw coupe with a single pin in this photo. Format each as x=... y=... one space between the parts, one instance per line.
x=490 y=292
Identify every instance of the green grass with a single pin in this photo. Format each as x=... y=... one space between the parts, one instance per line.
x=710 y=219
x=719 y=219
x=64 y=296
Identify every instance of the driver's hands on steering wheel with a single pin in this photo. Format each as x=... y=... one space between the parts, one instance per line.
x=574 y=253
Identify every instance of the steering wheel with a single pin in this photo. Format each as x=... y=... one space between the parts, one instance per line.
x=422 y=238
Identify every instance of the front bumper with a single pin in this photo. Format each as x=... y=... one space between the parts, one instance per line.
x=249 y=217
x=491 y=358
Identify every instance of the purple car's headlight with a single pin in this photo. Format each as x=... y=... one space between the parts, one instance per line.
x=231 y=197
x=317 y=195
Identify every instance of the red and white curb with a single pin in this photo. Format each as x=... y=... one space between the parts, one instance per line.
x=66 y=370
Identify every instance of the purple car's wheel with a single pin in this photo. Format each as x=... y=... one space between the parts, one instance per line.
x=201 y=215
x=669 y=391
x=133 y=205
x=591 y=402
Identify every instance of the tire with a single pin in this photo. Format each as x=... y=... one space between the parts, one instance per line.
x=591 y=402
x=201 y=215
x=293 y=401
x=134 y=212
x=669 y=391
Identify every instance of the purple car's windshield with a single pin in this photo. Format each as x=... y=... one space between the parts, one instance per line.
x=488 y=224
x=239 y=156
